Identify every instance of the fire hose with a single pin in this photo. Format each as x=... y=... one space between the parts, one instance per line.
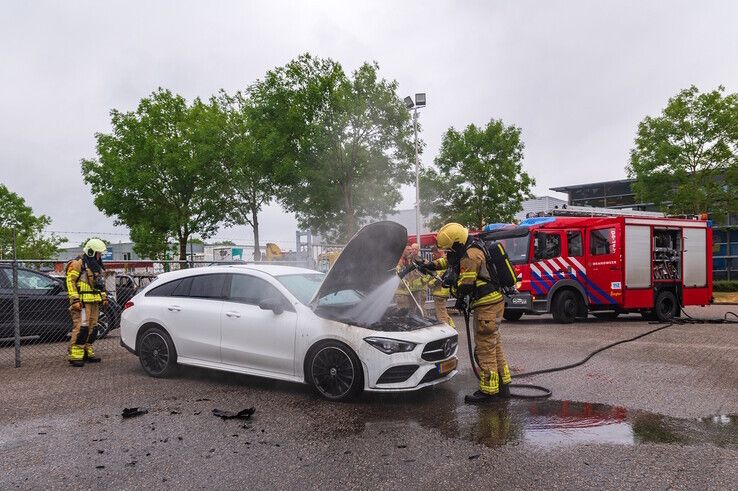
x=465 y=310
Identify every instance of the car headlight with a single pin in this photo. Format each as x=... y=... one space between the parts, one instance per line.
x=390 y=346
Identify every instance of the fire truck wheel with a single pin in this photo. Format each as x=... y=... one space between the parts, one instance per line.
x=666 y=306
x=567 y=304
x=512 y=315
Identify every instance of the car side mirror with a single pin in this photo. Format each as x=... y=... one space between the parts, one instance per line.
x=273 y=304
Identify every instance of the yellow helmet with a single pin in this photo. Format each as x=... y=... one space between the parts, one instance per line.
x=94 y=245
x=450 y=234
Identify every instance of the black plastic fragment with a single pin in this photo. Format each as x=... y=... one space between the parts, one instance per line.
x=243 y=414
x=130 y=412
x=474 y=457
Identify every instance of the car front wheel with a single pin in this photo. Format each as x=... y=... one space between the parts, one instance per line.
x=334 y=371
x=156 y=352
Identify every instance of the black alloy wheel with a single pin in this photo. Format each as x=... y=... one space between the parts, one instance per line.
x=156 y=352
x=334 y=371
x=566 y=306
x=104 y=326
x=512 y=315
x=666 y=306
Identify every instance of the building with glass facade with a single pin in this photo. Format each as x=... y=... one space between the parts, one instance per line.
x=619 y=194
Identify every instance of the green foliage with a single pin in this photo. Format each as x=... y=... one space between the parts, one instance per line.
x=725 y=286
x=337 y=146
x=478 y=177
x=248 y=165
x=160 y=171
x=686 y=160
x=224 y=243
x=31 y=243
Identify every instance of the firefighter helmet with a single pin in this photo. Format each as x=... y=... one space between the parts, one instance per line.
x=94 y=245
x=450 y=234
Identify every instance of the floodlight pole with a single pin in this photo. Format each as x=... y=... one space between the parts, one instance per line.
x=417 y=177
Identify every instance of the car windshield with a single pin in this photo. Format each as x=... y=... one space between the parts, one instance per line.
x=516 y=248
x=302 y=286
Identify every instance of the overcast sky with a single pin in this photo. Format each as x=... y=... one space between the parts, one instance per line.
x=577 y=77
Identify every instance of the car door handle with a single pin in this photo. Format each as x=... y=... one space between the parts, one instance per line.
x=233 y=314
x=174 y=308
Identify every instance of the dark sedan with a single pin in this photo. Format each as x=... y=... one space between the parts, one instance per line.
x=43 y=307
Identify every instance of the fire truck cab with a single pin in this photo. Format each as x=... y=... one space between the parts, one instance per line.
x=569 y=264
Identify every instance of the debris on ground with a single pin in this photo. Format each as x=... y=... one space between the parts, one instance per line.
x=243 y=414
x=130 y=412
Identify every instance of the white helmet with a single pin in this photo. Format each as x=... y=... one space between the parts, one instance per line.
x=94 y=245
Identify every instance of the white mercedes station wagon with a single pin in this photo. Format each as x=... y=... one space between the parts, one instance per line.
x=294 y=324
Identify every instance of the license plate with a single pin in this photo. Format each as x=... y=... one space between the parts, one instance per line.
x=447 y=366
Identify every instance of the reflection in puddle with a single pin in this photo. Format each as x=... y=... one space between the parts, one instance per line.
x=542 y=423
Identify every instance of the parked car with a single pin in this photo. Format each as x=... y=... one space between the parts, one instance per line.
x=43 y=307
x=128 y=284
x=294 y=324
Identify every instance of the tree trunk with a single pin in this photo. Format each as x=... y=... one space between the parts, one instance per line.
x=255 y=226
x=183 y=251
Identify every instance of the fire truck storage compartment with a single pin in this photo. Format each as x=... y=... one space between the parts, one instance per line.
x=695 y=250
x=667 y=257
x=637 y=256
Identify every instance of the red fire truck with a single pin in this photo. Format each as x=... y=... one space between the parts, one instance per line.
x=577 y=260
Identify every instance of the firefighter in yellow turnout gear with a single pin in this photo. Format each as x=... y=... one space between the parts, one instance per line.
x=406 y=295
x=440 y=292
x=487 y=303
x=86 y=290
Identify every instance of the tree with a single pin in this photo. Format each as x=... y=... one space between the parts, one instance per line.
x=16 y=216
x=160 y=171
x=247 y=164
x=685 y=161
x=338 y=146
x=478 y=177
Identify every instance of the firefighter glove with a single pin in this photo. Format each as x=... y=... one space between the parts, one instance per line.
x=76 y=305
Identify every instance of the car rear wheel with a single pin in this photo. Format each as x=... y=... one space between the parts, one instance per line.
x=156 y=352
x=104 y=325
x=334 y=371
x=512 y=315
x=567 y=305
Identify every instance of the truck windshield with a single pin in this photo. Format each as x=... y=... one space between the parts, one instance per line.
x=516 y=248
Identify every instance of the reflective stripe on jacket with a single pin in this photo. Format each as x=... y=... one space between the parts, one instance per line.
x=79 y=288
x=473 y=271
x=437 y=288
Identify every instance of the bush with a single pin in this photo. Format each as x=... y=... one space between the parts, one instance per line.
x=725 y=286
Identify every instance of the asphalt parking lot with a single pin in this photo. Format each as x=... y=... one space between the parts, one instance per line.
x=656 y=413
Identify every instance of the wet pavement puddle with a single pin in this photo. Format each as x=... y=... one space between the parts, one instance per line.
x=544 y=423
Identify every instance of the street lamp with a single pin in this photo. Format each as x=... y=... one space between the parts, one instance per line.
x=418 y=103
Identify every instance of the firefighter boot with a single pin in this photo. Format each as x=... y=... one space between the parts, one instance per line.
x=505 y=380
x=489 y=389
x=76 y=355
x=90 y=355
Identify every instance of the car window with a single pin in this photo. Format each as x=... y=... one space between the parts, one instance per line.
x=208 y=286
x=547 y=246
x=602 y=241
x=183 y=289
x=251 y=290
x=5 y=275
x=164 y=290
x=28 y=280
x=574 y=243
x=302 y=286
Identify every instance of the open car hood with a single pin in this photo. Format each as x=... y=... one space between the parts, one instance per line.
x=368 y=260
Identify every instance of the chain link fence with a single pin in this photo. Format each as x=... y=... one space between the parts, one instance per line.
x=35 y=321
